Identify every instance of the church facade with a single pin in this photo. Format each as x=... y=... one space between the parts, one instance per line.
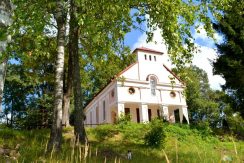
x=145 y=90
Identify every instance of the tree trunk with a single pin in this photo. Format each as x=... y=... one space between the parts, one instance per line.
x=56 y=129
x=79 y=128
x=5 y=21
x=3 y=70
x=67 y=92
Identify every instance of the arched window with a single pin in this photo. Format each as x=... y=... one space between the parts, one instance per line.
x=153 y=82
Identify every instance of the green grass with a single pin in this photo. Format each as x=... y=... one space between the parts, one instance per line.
x=111 y=143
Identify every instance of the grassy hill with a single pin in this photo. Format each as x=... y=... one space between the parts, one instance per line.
x=110 y=143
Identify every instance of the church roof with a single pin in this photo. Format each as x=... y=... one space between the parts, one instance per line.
x=147 y=50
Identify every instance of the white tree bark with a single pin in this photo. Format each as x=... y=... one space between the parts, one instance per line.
x=56 y=130
x=5 y=21
x=3 y=69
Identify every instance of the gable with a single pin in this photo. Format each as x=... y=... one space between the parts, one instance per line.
x=131 y=72
x=139 y=71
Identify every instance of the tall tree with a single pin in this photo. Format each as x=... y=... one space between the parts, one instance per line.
x=55 y=140
x=230 y=63
x=79 y=129
x=28 y=93
x=41 y=19
x=5 y=21
x=199 y=96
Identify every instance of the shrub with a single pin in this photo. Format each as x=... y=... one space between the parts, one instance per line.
x=155 y=137
x=204 y=128
x=133 y=132
x=105 y=131
x=124 y=119
x=178 y=131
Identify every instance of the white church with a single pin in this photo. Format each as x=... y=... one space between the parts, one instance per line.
x=145 y=90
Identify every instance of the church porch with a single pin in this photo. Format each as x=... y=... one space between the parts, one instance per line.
x=142 y=113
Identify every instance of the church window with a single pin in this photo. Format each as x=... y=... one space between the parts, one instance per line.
x=153 y=85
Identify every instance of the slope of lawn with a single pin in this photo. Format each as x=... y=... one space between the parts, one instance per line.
x=110 y=143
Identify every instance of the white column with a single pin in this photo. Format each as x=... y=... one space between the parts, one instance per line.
x=143 y=113
x=121 y=109
x=165 y=112
x=184 y=112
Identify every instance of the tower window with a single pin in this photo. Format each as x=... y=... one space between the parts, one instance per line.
x=155 y=58
x=153 y=85
x=145 y=57
x=150 y=57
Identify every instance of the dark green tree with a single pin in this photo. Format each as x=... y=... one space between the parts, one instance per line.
x=230 y=63
x=28 y=93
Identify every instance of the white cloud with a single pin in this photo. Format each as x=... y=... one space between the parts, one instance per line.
x=200 y=35
x=202 y=59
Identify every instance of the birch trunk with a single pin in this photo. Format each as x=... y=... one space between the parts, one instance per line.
x=5 y=21
x=79 y=128
x=56 y=129
x=3 y=70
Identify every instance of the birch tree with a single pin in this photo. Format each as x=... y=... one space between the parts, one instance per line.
x=41 y=19
x=56 y=130
x=5 y=21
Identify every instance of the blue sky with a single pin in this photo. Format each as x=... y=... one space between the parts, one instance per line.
x=202 y=59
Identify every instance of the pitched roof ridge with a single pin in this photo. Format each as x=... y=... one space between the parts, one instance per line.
x=177 y=77
x=148 y=50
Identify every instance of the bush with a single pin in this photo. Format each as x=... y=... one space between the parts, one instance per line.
x=178 y=131
x=204 y=128
x=105 y=131
x=133 y=132
x=155 y=138
x=124 y=119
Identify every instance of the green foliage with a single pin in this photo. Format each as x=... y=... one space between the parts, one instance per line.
x=236 y=124
x=105 y=131
x=124 y=119
x=204 y=128
x=178 y=132
x=99 y=69
x=230 y=63
x=155 y=137
x=28 y=92
x=204 y=104
x=133 y=132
